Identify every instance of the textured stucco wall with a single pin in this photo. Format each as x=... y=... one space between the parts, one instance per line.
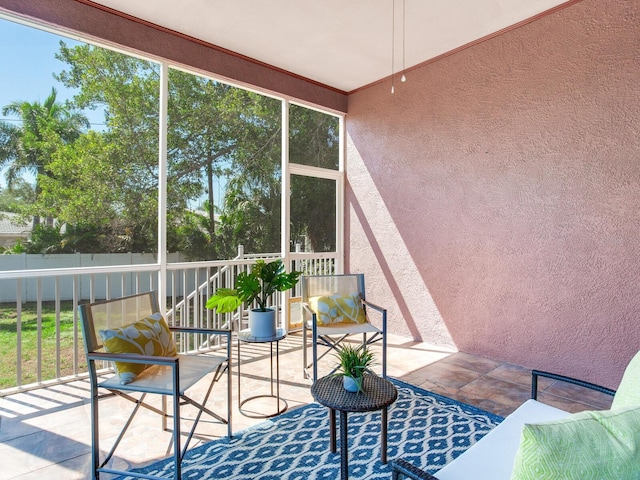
x=494 y=200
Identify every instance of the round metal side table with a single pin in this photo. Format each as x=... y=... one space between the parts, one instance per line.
x=281 y=404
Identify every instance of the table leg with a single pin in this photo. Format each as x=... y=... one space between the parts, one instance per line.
x=271 y=369
x=239 y=396
x=332 y=430
x=383 y=439
x=277 y=374
x=344 y=460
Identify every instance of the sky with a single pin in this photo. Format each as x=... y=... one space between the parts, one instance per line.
x=27 y=66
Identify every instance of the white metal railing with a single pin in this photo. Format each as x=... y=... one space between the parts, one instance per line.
x=48 y=340
x=207 y=278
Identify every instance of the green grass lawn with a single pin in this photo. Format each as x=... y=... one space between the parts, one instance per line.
x=8 y=343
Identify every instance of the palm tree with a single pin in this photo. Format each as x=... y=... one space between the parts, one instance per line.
x=30 y=146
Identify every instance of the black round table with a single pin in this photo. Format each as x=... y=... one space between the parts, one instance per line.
x=378 y=393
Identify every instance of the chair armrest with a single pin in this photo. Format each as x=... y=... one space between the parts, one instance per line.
x=206 y=331
x=309 y=310
x=554 y=376
x=403 y=467
x=132 y=358
x=374 y=306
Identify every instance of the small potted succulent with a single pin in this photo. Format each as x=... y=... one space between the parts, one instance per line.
x=353 y=362
x=257 y=285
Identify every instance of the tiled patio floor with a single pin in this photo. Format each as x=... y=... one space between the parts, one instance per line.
x=44 y=433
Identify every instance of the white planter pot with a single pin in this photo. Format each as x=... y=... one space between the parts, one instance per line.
x=262 y=324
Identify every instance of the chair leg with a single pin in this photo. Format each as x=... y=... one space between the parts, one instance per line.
x=229 y=391
x=95 y=432
x=177 y=453
x=305 y=365
x=138 y=403
x=164 y=413
x=314 y=338
x=201 y=409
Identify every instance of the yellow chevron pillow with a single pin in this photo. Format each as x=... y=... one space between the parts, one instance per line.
x=590 y=445
x=338 y=309
x=149 y=336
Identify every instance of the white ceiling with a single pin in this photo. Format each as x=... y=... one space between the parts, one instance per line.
x=345 y=44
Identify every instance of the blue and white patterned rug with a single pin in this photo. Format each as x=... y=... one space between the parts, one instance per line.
x=426 y=429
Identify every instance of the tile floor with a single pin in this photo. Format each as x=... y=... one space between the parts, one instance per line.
x=44 y=433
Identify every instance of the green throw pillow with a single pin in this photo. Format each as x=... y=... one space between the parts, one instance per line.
x=149 y=336
x=593 y=445
x=338 y=309
x=628 y=393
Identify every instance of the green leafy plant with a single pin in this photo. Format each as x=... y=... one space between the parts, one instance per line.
x=258 y=285
x=353 y=362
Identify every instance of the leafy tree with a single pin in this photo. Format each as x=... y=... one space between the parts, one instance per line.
x=313 y=140
x=313 y=213
x=44 y=128
x=215 y=130
x=82 y=177
x=16 y=198
x=83 y=193
x=102 y=185
x=17 y=248
x=123 y=157
x=192 y=237
x=45 y=239
x=204 y=124
x=251 y=209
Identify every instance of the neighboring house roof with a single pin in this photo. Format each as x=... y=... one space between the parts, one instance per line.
x=11 y=225
x=205 y=214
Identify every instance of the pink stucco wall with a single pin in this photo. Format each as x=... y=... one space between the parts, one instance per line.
x=494 y=200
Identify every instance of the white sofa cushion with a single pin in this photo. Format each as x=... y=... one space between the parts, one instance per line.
x=628 y=394
x=492 y=457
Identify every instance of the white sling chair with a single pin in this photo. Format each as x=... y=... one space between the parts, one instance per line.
x=131 y=331
x=338 y=309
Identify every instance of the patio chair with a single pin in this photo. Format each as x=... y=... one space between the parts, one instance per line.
x=131 y=332
x=338 y=310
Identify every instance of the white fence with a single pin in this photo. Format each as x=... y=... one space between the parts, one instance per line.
x=30 y=291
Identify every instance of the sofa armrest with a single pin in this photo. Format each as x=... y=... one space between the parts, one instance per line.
x=554 y=376
x=402 y=467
